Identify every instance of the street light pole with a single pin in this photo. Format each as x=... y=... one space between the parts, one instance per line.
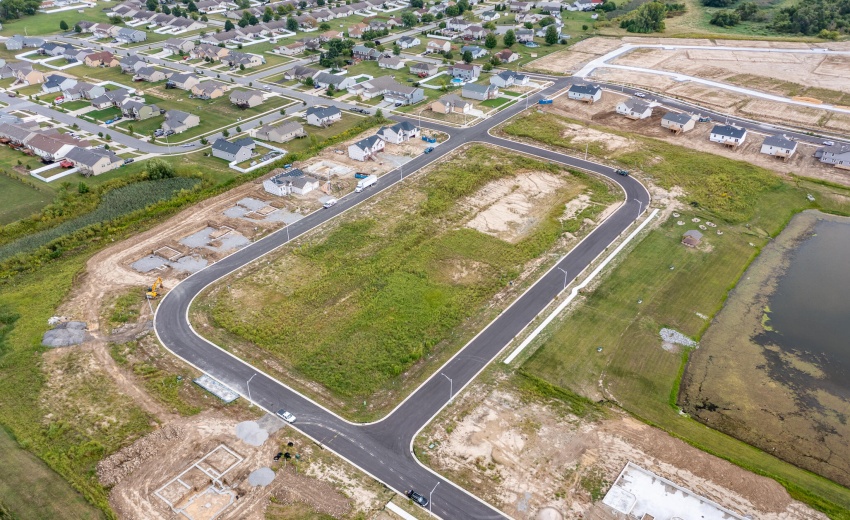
x=250 y=401
x=586 y=148
x=640 y=206
x=430 y=499
x=565 y=277
x=451 y=386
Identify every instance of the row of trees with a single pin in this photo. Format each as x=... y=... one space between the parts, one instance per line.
x=14 y=9
x=647 y=18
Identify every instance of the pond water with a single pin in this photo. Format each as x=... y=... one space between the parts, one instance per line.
x=810 y=309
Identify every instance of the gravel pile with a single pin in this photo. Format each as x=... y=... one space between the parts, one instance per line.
x=250 y=433
x=65 y=334
x=261 y=477
x=676 y=337
x=113 y=469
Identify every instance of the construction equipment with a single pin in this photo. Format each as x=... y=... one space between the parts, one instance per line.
x=152 y=290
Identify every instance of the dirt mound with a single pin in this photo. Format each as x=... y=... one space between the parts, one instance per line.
x=113 y=469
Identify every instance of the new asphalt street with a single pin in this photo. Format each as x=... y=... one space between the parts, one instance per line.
x=383 y=448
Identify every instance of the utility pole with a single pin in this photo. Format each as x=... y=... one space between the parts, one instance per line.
x=565 y=276
x=431 y=499
x=451 y=386
x=250 y=401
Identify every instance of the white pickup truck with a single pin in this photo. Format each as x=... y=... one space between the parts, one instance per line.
x=365 y=183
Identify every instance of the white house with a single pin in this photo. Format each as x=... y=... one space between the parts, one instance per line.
x=779 y=145
x=239 y=150
x=678 y=122
x=438 y=46
x=366 y=149
x=392 y=62
x=634 y=109
x=406 y=42
x=508 y=78
x=292 y=181
x=837 y=154
x=399 y=132
x=729 y=135
x=323 y=116
x=586 y=93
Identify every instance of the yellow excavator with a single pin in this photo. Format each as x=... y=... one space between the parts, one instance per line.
x=152 y=290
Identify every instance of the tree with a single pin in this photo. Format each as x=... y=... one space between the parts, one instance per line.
x=528 y=25
x=331 y=90
x=452 y=10
x=192 y=8
x=396 y=49
x=442 y=25
x=241 y=66
x=427 y=18
x=267 y=16
x=78 y=29
x=291 y=24
x=646 y=19
x=717 y=3
x=826 y=34
x=159 y=169
x=509 y=38
x=130 y=129
x=379 y=114
x=409 y=19
x=490 y=41
x=552 y=35
x=225 y=133
x=166 y=9
x=467 y=57
x=309 y=82
x=238 y=129
x=449 y=55
x=151 y=5
x=725 y=18
x=748 y=11
x=487 y=67
x=63 y=25
x=325 y=26
x=320 y=3
x=82 y=188
x=228 y=25
x=417 y=4
x=546 y=20
x=608 y=6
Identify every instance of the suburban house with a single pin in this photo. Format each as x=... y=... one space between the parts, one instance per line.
x=177 y=45
x=366 y=149
x=236 y=151
x=508 y=78
x=406 y=42
x=392 y=90
x=520 y=7
x=451 y=104
x=361 y=52
x=240 y=59
x=300 y=72
x=357 y=30
x=525 y=35
x=423 y=69
x=129 y=35
x=246 y=98
x=18 y=42
x=331 y=35
x=489 y=16
x=182 y=80
x=779 y=145
x=149 y=74
x=110 y=98
x=324 y=79
x=131 y=64
x=634 y=108
x=101 y=59
x=837 y=154
x=51 y=147
x=398 y=133
x=476 y=51
x=178 y=121
x=587 y=5
x=729 y=135
x=465 y=71
x=586 y=93
x=83 y=90
x=438 y=46
x=457 y=24
x=323 y=116
x=289 y=182
x=210 y=89
x=281 y=133
x=53 y=49
x=391 y=63
x=475 y=32
x=291 y=49
x=678 y=122
x=692 y=238
x=133 y=109
x=206 y=50
x=94 y=161
x=18 y=133
x=480 y=92
x=57 y=83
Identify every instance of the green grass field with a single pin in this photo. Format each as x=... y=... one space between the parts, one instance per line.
x=410 y=260
x=31 y=490
x=661 y=283
x=41 y=23
x=318 y=135
x=19 y=200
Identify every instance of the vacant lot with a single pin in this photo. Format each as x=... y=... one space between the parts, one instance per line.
x=609 y=347
x=369 y=306
x=19 y=200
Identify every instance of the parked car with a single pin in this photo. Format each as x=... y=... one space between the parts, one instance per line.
x=128 y=160
x=416 y=497
x=286 y=416
x=428 y=139
x=705 y=119
x=429 y=149
x=329 y=204
x=12 y=94
x=109 y=121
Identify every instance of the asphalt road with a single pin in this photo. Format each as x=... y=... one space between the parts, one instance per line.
x=383 y=448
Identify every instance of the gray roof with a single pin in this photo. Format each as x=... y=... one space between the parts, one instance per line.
x=729 y=131
x=232 y=147
x=301 y=181
x=176 y=116
x=677 y=117
x=323 y=112
x=331 y=79
x=481 y=89
x=693 y=233
x=244 y=95
x=636 y=105
x=838 y=149
x=178 y=77
x=289 y=126
x=369 y=142
x=780 y=141
x=590 y=90
x=454 y=99
x=91 y=157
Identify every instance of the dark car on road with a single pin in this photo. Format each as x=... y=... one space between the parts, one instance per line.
x=416 y=497
x=624 y=173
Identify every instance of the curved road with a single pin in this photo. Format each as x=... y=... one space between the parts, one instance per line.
x=383 y=448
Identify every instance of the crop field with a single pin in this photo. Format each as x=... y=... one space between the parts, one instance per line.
x=367 y=308
x=662 y=283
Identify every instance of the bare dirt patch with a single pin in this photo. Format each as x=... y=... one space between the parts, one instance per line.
x=526 y=457
x=574 y=58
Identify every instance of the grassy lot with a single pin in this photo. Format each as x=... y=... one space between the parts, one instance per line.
x=98 y=74
x=104 y=114
x=495 y=103
x=29 y=489
x=643 y=294
x=41 y=23
x=317 y=135
x=19 y=200
x=417 y=266
x=70 y=106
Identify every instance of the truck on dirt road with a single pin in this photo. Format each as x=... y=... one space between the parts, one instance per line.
x=362 y=184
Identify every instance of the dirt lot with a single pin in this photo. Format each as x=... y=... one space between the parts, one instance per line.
x=572 y=59
x=524 y=456
x=604 y=113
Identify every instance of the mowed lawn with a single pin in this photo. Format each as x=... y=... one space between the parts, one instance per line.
x=376 y=302
x=662 y=283
x=18 y=200
x=42 y=23
x=317 y=134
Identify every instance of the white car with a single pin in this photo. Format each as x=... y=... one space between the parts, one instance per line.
x=329 y=203
x=286 y=416
x=829 y=143
x=640 y=94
